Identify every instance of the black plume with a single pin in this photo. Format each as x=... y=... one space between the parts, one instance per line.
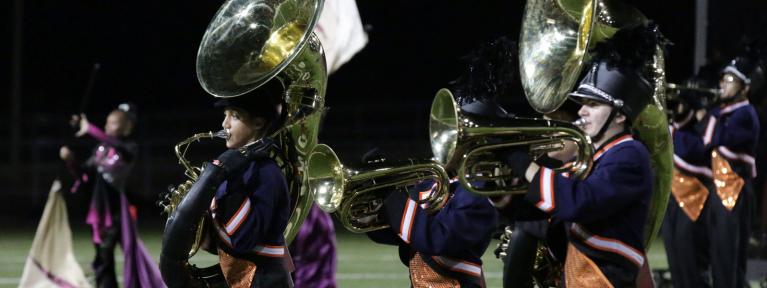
x=755 y=52
x=631 y=48
x=491 y=72
x=754 y=47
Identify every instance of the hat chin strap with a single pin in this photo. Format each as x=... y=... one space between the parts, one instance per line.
x=603 y=129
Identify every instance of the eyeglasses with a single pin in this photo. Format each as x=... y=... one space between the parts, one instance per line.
x=727 y=78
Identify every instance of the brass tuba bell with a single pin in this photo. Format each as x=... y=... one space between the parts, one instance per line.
x=469 y=144
x=356 y=196
x=248 y=44
x=251 y=42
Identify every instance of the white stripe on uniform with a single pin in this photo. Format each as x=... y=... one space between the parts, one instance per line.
x=270 y=251
x=611 y=245
x=459 y=266
x=547 y=190
x=407 y=220
x=729 y=154
x=238 y=218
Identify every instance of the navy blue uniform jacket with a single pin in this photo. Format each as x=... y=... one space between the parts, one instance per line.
x=605 y=213
x=451 y=241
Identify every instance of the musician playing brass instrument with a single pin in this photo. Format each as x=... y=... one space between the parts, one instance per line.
x=248 y=198
x=604 y=213
x=730 y=139
x=444 y=249
x=685 y=223
x=532 y=248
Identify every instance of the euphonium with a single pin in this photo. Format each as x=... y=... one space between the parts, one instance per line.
x=356 y=196
x=470 y=144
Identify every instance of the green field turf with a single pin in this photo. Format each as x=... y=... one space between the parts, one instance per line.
x=361 y=263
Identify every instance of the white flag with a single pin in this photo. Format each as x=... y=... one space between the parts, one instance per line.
x=340 y=31
x=51 y=261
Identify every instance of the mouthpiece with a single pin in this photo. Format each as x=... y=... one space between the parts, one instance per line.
x=580 y=122
x=223 y=134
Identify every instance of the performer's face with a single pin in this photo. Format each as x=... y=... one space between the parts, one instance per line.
x=117 y=124
x=731 y=86
x=242 y=128
x=595 y=113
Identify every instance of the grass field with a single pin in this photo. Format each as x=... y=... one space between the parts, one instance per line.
x=361 y=263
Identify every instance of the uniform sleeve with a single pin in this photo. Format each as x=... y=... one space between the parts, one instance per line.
x=465 y=221
x=248 y=219
x=738 y=129
x=384 y=236
x=610 y=188
x=688 y=144
x=126 y=149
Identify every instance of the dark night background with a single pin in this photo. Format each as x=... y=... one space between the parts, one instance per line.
x=147 y=54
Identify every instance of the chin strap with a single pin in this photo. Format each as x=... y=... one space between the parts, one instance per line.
x=603 y=129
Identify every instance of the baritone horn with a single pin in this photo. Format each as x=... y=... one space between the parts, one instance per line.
x=356 y=196
x=470 y=144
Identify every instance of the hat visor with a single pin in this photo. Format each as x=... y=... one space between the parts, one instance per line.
x=580 y=97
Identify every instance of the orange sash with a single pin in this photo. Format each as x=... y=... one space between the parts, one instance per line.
x=690 y=193
x=580 y=271
x=423 y=276
x=728 y=183
x=237 y=272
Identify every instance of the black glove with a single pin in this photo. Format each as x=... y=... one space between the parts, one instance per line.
x=519 y=160
x=549 y=162
x=232 y=161
x=394 y=206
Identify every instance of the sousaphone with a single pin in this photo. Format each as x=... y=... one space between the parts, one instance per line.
x=247 y=44
x=554 y=43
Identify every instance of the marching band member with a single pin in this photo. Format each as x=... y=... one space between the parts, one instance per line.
x=730 y=138
x=524 y=239
x=604 y=213
x=727 y=143
x=684 y=225
x=444 y=249
x=247 y=197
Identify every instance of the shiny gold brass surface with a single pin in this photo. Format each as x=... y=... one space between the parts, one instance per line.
x=177 y=193
x=247 y=44
x=469 y=144
x=651 y=128
x=552 y=49
x=251 y=42
x=554 y=41
x=356 y=197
